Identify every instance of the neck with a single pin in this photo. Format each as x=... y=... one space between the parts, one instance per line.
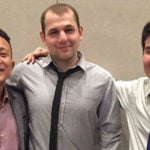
x=66 y=65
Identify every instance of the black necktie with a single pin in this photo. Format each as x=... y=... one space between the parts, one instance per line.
x=56 y=105
x=148 y=143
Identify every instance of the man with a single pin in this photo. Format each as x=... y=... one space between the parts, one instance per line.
x=13 y=127
x=134 y=97
x=72 y=102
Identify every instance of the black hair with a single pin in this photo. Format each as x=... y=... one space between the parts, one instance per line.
x=4 y=35
x=145 y=34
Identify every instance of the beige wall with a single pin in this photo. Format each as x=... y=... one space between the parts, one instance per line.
x=112 y=30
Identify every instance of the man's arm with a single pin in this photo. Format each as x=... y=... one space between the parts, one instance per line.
x=125 y=89
x=39 y=52
x=110 y=120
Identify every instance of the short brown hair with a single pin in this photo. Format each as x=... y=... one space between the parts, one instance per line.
x=59 y=8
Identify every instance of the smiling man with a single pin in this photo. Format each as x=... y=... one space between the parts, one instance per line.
x=11 y=113
x=72 y=102
x=134 y=97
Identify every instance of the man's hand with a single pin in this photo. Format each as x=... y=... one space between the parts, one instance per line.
x=39 y=52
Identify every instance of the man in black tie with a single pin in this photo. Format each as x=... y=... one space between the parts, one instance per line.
x=72 y=102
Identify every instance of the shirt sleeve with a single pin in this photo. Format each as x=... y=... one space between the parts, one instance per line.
x=109 y=119
x=15 y=78
x=125 y=92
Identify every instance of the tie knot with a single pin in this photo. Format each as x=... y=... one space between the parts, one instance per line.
x=63 y=75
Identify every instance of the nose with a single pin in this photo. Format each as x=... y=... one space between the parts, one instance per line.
x=0 y=60
x=62 y=36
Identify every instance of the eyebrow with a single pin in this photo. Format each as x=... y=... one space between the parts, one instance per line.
x=147 y=47
x=2 y=48
x=67 y=26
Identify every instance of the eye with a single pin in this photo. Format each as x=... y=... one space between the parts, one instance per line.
x=69 y=30
x=3 y=54
x=53 y=33
x=147 y=50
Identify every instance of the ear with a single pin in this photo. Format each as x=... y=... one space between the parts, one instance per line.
x=42 y=35
x=81 y=32
x=13 y=64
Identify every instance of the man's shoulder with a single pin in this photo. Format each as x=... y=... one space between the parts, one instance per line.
x=99 y=73
x=132 y=84
x=140 y=80
x=97 y=69
x=29 y=66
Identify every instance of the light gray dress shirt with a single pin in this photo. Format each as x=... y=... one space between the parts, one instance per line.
x=89 y=115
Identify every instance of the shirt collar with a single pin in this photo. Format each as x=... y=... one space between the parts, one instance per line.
x=5 y=96
x=45 y=61
x=147 y=87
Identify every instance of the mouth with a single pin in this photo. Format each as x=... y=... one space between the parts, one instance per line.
x=64 y=47
x=2 y=69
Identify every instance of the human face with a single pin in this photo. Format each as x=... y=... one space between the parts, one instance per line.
x=146 y=57
x=6 y=63
x=62 y=37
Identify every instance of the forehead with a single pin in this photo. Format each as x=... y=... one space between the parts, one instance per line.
x=52 y=18
x=4 y=45
x=52 y=13
x=147 y=41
